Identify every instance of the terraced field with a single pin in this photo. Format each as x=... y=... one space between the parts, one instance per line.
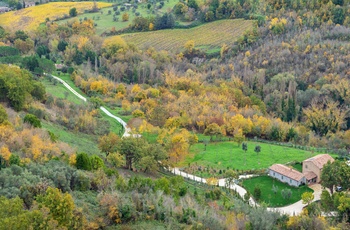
x=31 y=17
x=210 y=35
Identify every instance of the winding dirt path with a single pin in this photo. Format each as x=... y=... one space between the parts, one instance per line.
x=127 y=131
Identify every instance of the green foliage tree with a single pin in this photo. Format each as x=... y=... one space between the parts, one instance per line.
x=327 y=202
x=257 y=149
x=307 y=197
x=33 y=120
x=73 y=12
x=96 y=162
x=335 y=174
x=133 y=150
x=15 y=86
x=257 y=193
x=83 y=161
x=230 y=177
x=3 y=114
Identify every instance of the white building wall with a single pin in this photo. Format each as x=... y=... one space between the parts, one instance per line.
x=285 y=179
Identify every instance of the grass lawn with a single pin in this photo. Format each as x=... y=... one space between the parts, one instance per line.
x=298 y=167
x=117 y=111
x=82 y=142
x=221 y=155
x=60 y=91
x=267 y=195
x=105 y=21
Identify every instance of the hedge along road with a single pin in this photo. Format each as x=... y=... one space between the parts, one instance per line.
x=127 y=131
x=293 y=209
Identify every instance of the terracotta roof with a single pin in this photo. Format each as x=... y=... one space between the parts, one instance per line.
x=310 y=175
x=320 y=160
x=287 y=172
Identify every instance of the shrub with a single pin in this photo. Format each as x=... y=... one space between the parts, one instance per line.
x=96 y=162
x=33 y=120
x=257 y=193
x=83 y=161
x=73 y=12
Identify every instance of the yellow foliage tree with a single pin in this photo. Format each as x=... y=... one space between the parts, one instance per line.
x=189 y=45
x=151 y=26
x=5 y=153
x=125 y=17
x=212 y=181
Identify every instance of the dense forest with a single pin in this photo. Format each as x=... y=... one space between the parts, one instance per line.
x=286 y=81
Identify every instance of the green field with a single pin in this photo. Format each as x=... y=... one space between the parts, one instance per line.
x=80 y=141
x=60 y=91
x=105 y=21
x=210 y=35
x=268 y=196
x=221 y=155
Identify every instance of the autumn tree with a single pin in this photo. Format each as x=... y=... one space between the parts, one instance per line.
x=238 y=137
x=125 y=17
x=109 y=143
x=61 y=207
x=324 y=117
x=212 y=130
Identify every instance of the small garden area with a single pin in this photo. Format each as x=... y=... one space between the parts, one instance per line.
x=273 y=192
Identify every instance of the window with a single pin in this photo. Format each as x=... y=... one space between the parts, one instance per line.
x=273 y=173
x=290 y=180
x=282 y=178
x=306 y=166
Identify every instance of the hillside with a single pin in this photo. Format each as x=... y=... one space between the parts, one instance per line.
x=218 y=89
x=208 y=36
x=30 y=18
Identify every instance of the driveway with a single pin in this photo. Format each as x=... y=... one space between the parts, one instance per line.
x=297 y=208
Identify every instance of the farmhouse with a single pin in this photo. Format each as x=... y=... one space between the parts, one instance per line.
x=4 y=9
x=312 y=167
x=286 y=174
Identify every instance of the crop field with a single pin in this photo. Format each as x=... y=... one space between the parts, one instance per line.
x=221 y=155
x=104 y=21
x=210 y=35
x=31 y=17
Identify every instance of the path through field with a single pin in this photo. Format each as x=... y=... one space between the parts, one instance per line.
x=127 y=131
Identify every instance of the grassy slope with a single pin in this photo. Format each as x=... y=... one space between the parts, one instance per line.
x=83 y=142
x=210 y=35
x=80 y=141
x=105 y=21
x=228 y=154
x=267 y=195
x=31 y=17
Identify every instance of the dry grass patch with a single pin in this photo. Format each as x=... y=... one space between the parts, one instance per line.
x=30 y=18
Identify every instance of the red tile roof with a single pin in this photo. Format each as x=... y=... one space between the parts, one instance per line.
x=320 y=160
x=310 y=175
x=287 y=172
